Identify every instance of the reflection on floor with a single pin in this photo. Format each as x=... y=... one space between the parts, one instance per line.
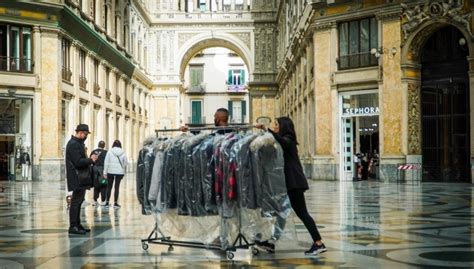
x=364 y=225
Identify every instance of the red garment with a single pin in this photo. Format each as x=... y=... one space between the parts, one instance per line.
x=231 y=193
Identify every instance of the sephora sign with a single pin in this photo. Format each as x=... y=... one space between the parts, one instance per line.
x=358 y=111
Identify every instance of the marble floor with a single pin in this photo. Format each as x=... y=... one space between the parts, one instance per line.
x=364 y=225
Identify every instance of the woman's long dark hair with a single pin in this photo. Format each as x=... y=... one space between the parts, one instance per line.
x=117 y=144
x=287 y=128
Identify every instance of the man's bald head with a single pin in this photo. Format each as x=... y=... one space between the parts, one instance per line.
x=221 y=117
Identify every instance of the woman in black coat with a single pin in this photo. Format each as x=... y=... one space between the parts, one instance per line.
x=296 y=183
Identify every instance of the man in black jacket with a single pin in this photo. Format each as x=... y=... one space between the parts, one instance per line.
x=99 y=186
x=76 y=159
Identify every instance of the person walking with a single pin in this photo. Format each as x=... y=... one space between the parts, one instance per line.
x=25 y=164
x=296 y=182
x=76 y=159
x=100 y=183
x=115 y=164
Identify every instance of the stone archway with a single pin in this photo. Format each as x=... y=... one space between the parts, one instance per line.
x=412 y=47
x=202 y=41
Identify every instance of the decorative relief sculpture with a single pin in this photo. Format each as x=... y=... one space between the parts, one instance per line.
x=414 y=119
x=183 y=37
x=245 y=37
x=450 y=9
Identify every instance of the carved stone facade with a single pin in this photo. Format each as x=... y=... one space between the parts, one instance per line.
x=452 y=11
x=414 y=119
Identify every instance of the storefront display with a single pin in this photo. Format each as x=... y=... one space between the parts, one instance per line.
x=359 y=135
x=15 y=138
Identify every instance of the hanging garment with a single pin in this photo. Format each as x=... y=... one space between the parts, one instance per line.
x=171 y=167
x=187 y=181
x=207 y=177
x=246 y=184
x=229 y=183
x=268 y=172
x=157 y=182
x=146 y=158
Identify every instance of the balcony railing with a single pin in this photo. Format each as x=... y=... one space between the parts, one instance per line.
x=96 y=89
x=108 y=94
x=196 y=120
x=82 y=83
x=236 y=88
x=117 y=100
x=357 y=60
x=66 y=74
x=12 y=64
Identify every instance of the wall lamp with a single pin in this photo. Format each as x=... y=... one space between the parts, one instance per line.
x=378 y=52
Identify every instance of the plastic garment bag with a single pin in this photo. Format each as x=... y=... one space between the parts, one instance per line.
x=143 y=175
x=269 y=176
x=157 y=182
x=192 y=166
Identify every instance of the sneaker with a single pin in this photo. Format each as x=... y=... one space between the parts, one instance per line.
x=117 y=205
x=265 y=245
x=76 y=230
x=315 y=249
x=106 y=205
x=95 y=203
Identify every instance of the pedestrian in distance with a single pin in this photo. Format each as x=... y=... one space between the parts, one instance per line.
x=100 y=182
x=115 y=165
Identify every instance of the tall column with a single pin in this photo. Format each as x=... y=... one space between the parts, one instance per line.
x=51 y=155
x=391 y=99
x=36 y=135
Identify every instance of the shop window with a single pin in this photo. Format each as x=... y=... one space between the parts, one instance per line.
x=356 y=39
x=15 y=48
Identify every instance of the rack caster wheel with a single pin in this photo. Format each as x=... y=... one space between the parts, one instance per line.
x=255 y=251
x=144 y=246
x=230 y=255
x=170 y=248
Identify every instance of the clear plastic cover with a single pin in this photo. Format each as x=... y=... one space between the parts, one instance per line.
x=208 y=188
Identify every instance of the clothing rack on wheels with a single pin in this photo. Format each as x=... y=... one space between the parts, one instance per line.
x=240 y=242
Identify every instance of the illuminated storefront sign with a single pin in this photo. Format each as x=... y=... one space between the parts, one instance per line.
x=361 y=111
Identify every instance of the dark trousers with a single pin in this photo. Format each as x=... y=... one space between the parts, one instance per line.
x=299 y=206
x=111 y=178
x=102 y=190
x=75 y=209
